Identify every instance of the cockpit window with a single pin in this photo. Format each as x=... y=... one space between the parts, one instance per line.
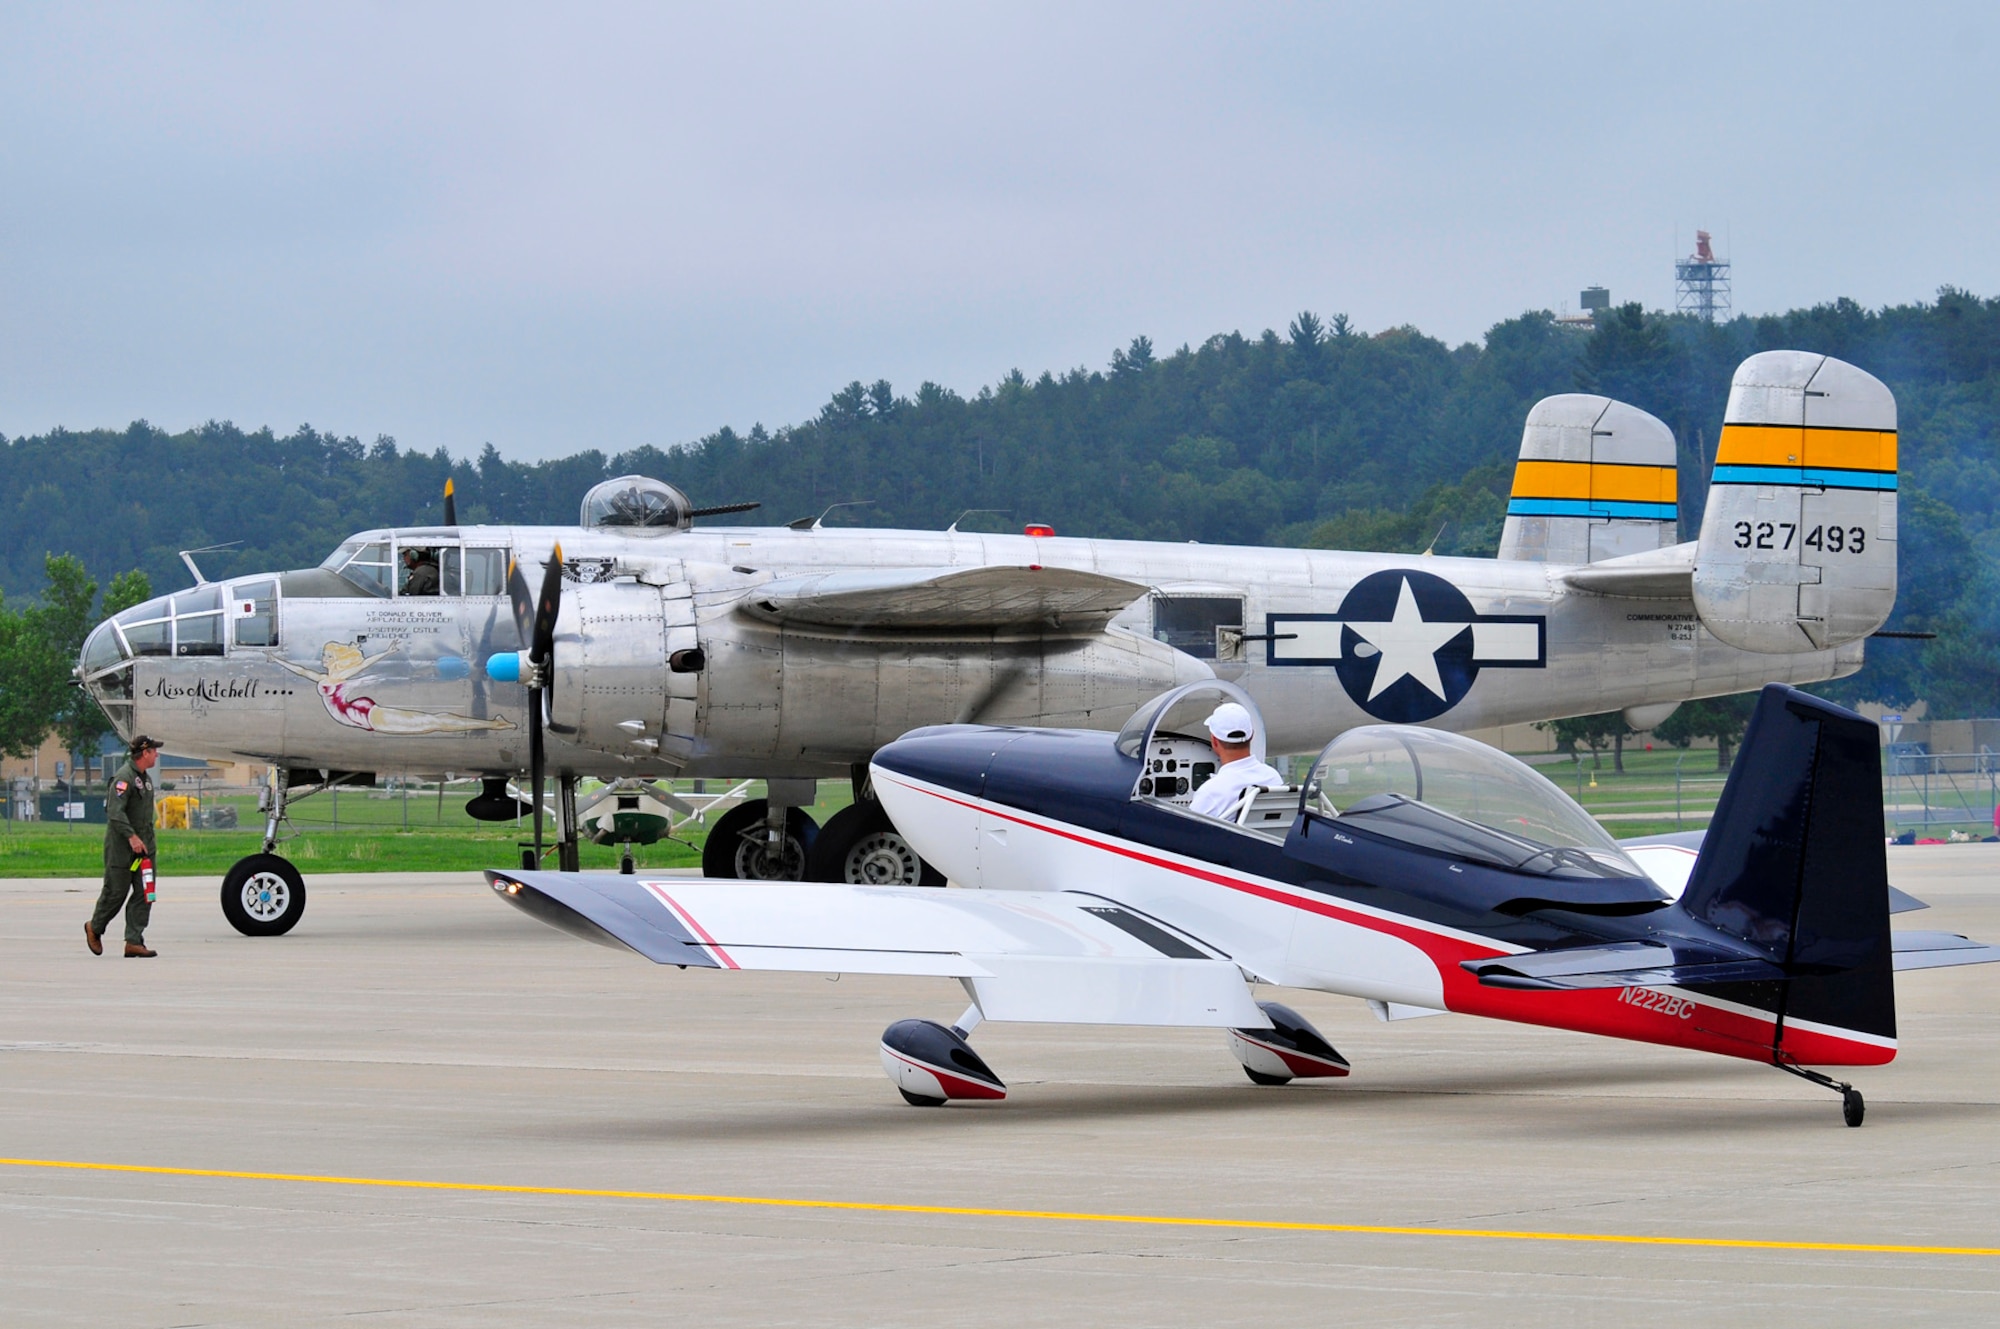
x=148 y=628
x=419 y=570
x=254 y=609
x=365 y=564
x=1458 y=796
x=198 y=621
x=100 y=649
x=474 y=571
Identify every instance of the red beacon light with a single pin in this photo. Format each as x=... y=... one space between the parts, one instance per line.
x=1037 y=529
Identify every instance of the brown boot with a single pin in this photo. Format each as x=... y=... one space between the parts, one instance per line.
x=90 y=939
x=135 y=951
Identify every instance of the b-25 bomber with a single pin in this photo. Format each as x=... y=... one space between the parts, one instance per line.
x=639 y=645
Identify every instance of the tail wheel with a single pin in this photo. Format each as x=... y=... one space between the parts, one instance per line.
x=263 y=896
x=860 y=846
x=738 y=845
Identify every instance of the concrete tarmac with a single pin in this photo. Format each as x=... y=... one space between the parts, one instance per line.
x=416 y=1030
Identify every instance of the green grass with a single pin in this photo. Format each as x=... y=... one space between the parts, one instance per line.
x=440 y=838
x=59 y=851
x=1641 y=800
x=370 y=839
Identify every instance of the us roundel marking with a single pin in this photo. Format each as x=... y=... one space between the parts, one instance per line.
x=1407 y=645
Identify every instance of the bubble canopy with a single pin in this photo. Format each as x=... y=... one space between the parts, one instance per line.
x=1182 y=712
x=636 y=505
x=1458 y=796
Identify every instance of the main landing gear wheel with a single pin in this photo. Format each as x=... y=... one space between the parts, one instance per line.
x=738 y=846
x=1258 y=1077
x=263 y=896
x=1852 y=1107
x=859 y=845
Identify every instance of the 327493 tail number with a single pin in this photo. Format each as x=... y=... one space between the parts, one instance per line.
x=1780 y=534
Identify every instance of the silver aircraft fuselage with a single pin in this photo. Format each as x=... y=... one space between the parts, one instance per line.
x=313 y=670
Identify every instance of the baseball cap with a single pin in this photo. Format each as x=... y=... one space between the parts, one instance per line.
x=1231 y=723
x=141 y=743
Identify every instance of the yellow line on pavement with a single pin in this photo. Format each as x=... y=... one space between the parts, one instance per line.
x=1035 y=1215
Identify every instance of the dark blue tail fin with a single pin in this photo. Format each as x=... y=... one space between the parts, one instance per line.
x=1794 y=863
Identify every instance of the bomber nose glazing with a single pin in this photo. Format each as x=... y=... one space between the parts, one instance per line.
x=186 y=624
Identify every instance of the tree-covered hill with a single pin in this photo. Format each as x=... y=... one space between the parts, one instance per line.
x=1323 y=436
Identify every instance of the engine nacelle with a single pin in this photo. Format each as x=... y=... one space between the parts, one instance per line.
x=617 y=688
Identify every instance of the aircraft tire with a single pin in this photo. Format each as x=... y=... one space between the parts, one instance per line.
x=1258 y=1077
x=263 y=896
x=860 y=846
x=919 y=1100
x=735 y=846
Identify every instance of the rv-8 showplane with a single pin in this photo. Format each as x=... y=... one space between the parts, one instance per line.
x=1418 y=870
x=640 y=646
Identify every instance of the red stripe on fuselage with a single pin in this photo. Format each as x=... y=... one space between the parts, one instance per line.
x=1727 y=1030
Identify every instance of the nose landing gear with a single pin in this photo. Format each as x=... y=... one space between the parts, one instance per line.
x=263 y=895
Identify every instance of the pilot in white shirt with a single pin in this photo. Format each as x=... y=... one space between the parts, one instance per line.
x=1229 y=732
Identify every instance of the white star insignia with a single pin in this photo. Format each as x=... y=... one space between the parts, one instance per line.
x=1409 y=645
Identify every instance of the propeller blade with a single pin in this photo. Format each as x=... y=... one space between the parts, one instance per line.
x=546 y=609
x=450 y=504
x=535 y=764
x=522 y=601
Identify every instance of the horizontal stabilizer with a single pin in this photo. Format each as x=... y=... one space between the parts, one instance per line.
x=1658 y=574
x=1623 y=964
x=1058 y=957
x=1938 y=950
x=1900 y=901
x=946 y=599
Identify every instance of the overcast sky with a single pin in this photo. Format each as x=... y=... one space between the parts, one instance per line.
x=564 y=227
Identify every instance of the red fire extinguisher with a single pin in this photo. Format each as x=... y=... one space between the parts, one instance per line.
x=146 y=878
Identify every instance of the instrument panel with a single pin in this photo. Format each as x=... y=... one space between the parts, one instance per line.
x=1176 y=766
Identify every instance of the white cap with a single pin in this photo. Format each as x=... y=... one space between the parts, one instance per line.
x=1231 y=723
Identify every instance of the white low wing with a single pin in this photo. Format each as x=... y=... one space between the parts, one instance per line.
x=1048 y=956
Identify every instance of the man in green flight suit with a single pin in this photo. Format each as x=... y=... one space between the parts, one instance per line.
x=128 y=837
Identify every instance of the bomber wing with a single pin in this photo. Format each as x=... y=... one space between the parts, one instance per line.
x=1058 y=957
x=983 y=598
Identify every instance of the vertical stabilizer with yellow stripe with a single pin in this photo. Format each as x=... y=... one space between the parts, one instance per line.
x=1596 y=480
x=1798 y=542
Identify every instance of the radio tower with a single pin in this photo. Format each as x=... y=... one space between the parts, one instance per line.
x=1701 y=283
